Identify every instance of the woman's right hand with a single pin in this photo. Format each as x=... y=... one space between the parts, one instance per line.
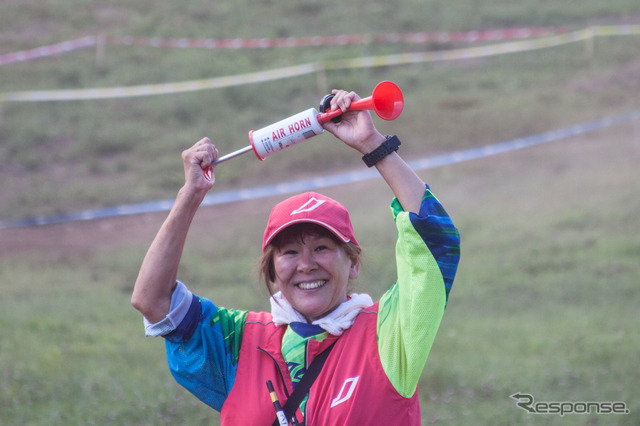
x=157 y=277
x=198 y=168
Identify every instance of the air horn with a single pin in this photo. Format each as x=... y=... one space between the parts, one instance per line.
x=386 y=101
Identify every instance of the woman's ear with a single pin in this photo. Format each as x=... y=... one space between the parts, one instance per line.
x=354 y=271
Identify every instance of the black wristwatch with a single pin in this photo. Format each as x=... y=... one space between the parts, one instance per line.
x=387 y=147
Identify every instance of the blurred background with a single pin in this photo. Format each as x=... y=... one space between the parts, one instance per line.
x=545 y=299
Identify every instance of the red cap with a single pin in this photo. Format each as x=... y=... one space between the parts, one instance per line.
x=310 y=207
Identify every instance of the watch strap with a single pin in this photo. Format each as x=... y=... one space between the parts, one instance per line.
x=391 y=144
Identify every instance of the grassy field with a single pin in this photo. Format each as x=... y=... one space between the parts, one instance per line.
x=546 y=295
x=544 y=302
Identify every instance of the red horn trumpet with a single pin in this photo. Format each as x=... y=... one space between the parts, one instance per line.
x=386 y=100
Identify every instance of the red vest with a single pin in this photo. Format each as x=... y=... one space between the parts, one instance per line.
x=352 y=388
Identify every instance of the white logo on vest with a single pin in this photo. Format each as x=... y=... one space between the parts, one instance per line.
x=340 y=398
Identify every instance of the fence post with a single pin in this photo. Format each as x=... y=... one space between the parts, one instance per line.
x=636 y=127
x=589 y=42
x=100 y=42
x=321 y=77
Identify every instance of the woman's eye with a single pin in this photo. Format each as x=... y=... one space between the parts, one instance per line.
x=320 y=248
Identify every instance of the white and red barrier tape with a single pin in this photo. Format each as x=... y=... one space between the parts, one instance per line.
x=280 y=73
x=303 y=69
x=267 y=43
x=343 y=40
x=41 y=52
x=338 y=40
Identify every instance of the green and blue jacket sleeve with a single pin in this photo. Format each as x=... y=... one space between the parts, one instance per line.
x=427 y=256
x=203 y=350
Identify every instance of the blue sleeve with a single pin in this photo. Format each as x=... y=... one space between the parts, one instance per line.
x=203 y=350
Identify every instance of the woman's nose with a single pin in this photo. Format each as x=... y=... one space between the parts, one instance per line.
x=307 y=261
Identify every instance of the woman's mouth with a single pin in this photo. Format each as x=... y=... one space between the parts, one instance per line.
x=311 y=285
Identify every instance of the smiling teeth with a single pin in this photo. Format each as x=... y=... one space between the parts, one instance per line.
x=311 y=286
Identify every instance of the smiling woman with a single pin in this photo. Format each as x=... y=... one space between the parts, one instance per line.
x=311 y=266
x=373 y=353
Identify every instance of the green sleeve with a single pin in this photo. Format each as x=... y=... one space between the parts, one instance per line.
x=411 y=310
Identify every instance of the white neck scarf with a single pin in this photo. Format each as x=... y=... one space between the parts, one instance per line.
x=335 y=322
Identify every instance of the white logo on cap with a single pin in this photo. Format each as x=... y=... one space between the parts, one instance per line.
x=312 y=204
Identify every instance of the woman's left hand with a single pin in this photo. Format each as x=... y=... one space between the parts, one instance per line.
x=356 y=128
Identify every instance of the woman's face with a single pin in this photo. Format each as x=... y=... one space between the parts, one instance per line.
x=313 y=273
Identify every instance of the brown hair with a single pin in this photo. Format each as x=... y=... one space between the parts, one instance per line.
x=298 y=232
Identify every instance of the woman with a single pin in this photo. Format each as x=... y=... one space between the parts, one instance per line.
x=310 y=253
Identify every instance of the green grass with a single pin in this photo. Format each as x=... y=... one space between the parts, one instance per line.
x=546 y=296
x=550 y=314
x=544 y=302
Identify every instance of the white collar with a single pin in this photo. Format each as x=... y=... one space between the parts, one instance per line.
x=336 y=322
